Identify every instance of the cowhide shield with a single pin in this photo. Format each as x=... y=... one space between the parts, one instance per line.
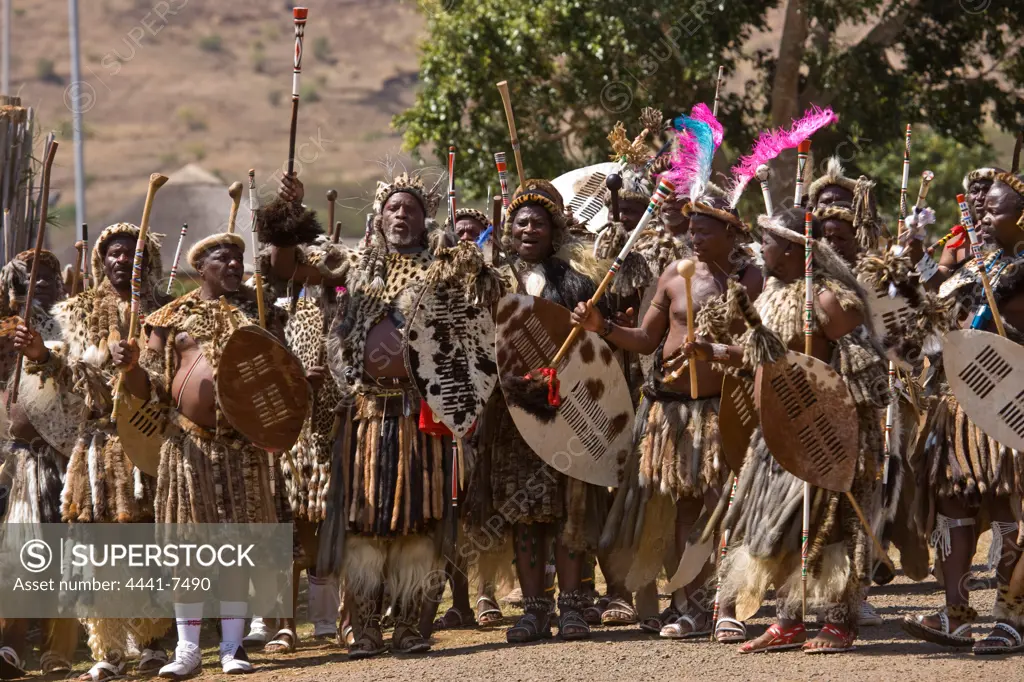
x=986 y=373
x=262 y=389
x=890 y=315
x=450 y=355
x=592 y=431
x=142 y=427
x=55 y=413
x=809 y=420
x=737 y=419
x=584 y=192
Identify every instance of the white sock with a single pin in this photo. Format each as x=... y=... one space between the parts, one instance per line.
x=189 y=619
x=232 y=623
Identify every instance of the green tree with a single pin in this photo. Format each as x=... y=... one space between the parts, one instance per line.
x=575 y=68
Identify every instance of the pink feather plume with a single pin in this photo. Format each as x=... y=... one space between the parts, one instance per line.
x=701 y=112
x=698 y=136
x=771 y=143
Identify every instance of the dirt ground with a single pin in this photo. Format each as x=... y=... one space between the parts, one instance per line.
x=884 y=652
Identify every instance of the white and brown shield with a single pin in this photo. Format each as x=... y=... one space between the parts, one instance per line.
x=56 y=414
x=450 y=355
x=142 y=427
x=262 y=389
x=584 y=192
x=891 y=314
x=737 y=419
x=809 y=420
x=591 y=434
x=986 y=374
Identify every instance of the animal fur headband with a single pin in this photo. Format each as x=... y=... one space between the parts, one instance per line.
x=703 y=207
x=980 y=174
x=199 y=249
x=154 y=268
x=470 y=213
x=410 y=184
x=836 y=212
x=834 y=176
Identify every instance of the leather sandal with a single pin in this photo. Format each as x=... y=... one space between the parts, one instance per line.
x=841 y=642
x=453 y=619
x=675 y=630
x=531 y=627
x=996 y=644
x=618 y=612
x=408 y=640
x=488 y=612
x=960 y=637
x=730 y=631
x=777 y=639
x=572 y=627
x=10 y=664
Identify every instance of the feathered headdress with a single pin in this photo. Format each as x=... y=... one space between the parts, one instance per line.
x=771 y=143
x=698 y=136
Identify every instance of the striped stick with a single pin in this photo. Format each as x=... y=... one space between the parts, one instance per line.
x=44 y=201
x=156 y=181
x=764 y=173
x=802 y=150
x=85 y=256
x=808 y=330
x=299 y=14
x=177 y=257
x=451 y=185
x=254 y=201
x=499 y=161
x=968 y=223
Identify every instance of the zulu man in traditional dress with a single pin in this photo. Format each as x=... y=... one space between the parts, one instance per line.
x=101 y=484
x=208 y=472
x=765 y=549
x=968 y=474
x=36 y=468
x=676 y=448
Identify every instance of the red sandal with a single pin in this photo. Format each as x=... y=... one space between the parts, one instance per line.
x=844 y=641
x=777 y=639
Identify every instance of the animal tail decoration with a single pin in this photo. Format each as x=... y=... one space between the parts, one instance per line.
x=771 y=143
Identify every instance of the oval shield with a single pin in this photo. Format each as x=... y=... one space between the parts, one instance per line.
x=262 y=389
x=809 y=420
x=450 y=355
x=592 y=432
x=584 y=192
x=737 y=419
x=890 y=316
x=986 y=376
x=141 y=426
x=55 y=413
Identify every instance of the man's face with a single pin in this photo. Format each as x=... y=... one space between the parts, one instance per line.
x=46 y=285
x=118 y=260
x=631 y=211
x=1002 y=212
x=468 y=230
x=774 y=252
x=222 y=269
x=713 y=240
x=976 y=193
x=672 y=216
x=834 y=194
x=532 y=233
x=403 y=220
x=843 y=238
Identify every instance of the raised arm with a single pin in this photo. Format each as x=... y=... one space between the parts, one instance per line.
x=647 y=336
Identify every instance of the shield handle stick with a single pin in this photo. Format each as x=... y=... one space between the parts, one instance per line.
x=44 y=200
x=235 y=192
x=332 y=197
x=686 y=269
x=76 y=272
x=156 y=181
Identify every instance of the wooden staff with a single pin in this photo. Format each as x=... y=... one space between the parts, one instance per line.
x=614 y=183
x=235 y=192
x=7 y=235
x=718 y=90
x=808 y=330
x=299 y=14
x=1015 y=162
x=723 y=550
x=44 y=201
x=156 y=181
x=802 y=150
x=254 y=201
x=336 y=233
x=496 y=208
x=332 y=196
x=979 y=260
x=922 y=193
x=507 y=101
x=76 y=272
x=451 y=186
x=664 y=190
x=686 y=269
x=177 y=258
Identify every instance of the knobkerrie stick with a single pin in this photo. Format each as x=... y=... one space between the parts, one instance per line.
x=299 y=14
x=507 y=101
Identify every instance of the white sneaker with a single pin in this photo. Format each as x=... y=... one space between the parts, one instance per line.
x=188 y=660
x=258 y=635
x=233 y=660
x=868 y=617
